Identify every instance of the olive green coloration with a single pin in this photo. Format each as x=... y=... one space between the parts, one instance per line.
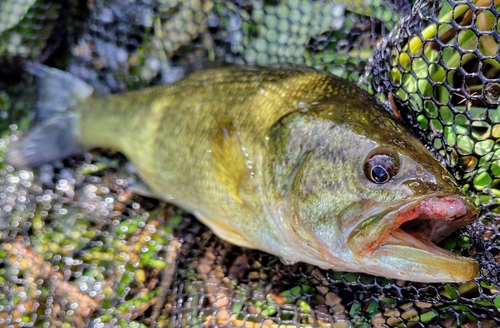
x=292 y=161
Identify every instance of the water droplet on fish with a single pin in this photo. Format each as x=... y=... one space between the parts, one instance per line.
x=303 y=107
x=285 y=261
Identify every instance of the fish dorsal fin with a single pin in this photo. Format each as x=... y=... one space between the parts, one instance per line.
x=231 y=159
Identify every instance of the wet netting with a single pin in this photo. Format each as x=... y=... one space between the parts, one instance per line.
x=79 y=248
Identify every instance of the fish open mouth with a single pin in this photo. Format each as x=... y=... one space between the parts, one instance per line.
x=431 y=220
x=408 y=236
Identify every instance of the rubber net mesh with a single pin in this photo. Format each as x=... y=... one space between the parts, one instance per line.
x=78 y=248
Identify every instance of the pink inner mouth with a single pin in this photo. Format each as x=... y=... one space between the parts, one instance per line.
x=447 y=208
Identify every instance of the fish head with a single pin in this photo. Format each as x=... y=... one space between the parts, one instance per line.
x=362 y=194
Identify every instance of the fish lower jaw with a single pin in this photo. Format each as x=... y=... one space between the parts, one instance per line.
x=415 y=257
x=412 y=256
x=408 y=258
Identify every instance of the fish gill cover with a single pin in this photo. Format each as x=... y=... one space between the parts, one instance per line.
x=78 y=248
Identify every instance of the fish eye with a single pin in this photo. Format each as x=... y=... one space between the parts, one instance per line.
x=381 y=165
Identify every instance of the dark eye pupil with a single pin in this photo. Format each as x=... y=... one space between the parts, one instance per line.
x=381 y=166
x=379 y=174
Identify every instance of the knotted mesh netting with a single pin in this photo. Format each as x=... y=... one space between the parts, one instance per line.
x=79 y=248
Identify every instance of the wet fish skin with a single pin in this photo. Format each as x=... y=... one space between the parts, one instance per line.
x=271 y=158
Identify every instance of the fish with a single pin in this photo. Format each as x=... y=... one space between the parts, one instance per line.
x=289 y=160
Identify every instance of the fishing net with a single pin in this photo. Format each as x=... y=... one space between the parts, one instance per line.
x=78 y=248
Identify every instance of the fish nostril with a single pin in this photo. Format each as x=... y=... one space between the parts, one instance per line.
x=414 y=184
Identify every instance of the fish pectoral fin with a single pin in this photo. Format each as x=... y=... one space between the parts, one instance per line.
x=226 y=231
x=231 y=159
x=233 y=172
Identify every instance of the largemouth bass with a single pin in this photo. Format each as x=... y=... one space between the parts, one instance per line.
x=291 y=161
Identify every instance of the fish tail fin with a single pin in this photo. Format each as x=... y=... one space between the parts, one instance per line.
x=55 y=133
x=53 y=138
x=56 y=90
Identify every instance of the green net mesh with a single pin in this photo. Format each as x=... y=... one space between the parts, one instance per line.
x=78 y=248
